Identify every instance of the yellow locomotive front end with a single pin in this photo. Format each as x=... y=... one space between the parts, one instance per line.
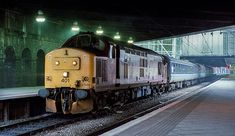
x=68 y=81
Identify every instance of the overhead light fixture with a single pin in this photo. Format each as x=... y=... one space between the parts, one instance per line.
x=117 y=36
x=130 y=40
x=99 y=31
x=40 y=17
x=75 y=27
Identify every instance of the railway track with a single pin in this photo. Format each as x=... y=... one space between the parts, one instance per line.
x=41 y=123
x=52 y=121
x=184 y=99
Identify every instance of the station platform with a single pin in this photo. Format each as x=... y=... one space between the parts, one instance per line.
x=210 y=112
x=19 y=92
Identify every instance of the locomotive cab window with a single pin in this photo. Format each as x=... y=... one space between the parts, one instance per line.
x=84 y=41
x=78 y=41
x=100 y=45
x=72 y=42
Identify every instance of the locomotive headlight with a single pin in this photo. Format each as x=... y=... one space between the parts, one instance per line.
x=75 y=63
x=66 y=74
x=57 y=63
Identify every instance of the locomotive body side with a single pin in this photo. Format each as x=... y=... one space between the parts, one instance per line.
x=129 y=70
x=140 y=67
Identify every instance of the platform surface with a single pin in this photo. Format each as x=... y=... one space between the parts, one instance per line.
x=19 y=92
x=208 y=113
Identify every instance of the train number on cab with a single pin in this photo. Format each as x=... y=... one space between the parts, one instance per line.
x=65 y=80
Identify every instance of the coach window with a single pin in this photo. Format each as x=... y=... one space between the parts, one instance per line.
x=142 y=54
x=177 y=66
x=127 y=50
x=173 y=68
x=132 y=51
x=137 y=53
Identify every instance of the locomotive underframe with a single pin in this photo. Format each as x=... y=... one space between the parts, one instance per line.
x=64 y=99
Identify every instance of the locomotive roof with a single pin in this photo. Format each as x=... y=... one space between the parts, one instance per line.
x=124 y=45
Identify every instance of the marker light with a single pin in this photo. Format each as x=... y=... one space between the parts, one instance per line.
x=66 y=74
x=75 y=63
x=57 y=63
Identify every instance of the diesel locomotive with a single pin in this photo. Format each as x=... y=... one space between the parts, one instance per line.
x=90 y=72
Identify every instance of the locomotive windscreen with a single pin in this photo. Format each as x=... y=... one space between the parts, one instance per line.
x=88 y=42
x=85 y=41
x=78 y=41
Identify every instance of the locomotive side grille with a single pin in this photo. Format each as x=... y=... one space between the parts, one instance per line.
x=98 y=68
x=104 y=70
x=141 y=72
x=101 y=70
